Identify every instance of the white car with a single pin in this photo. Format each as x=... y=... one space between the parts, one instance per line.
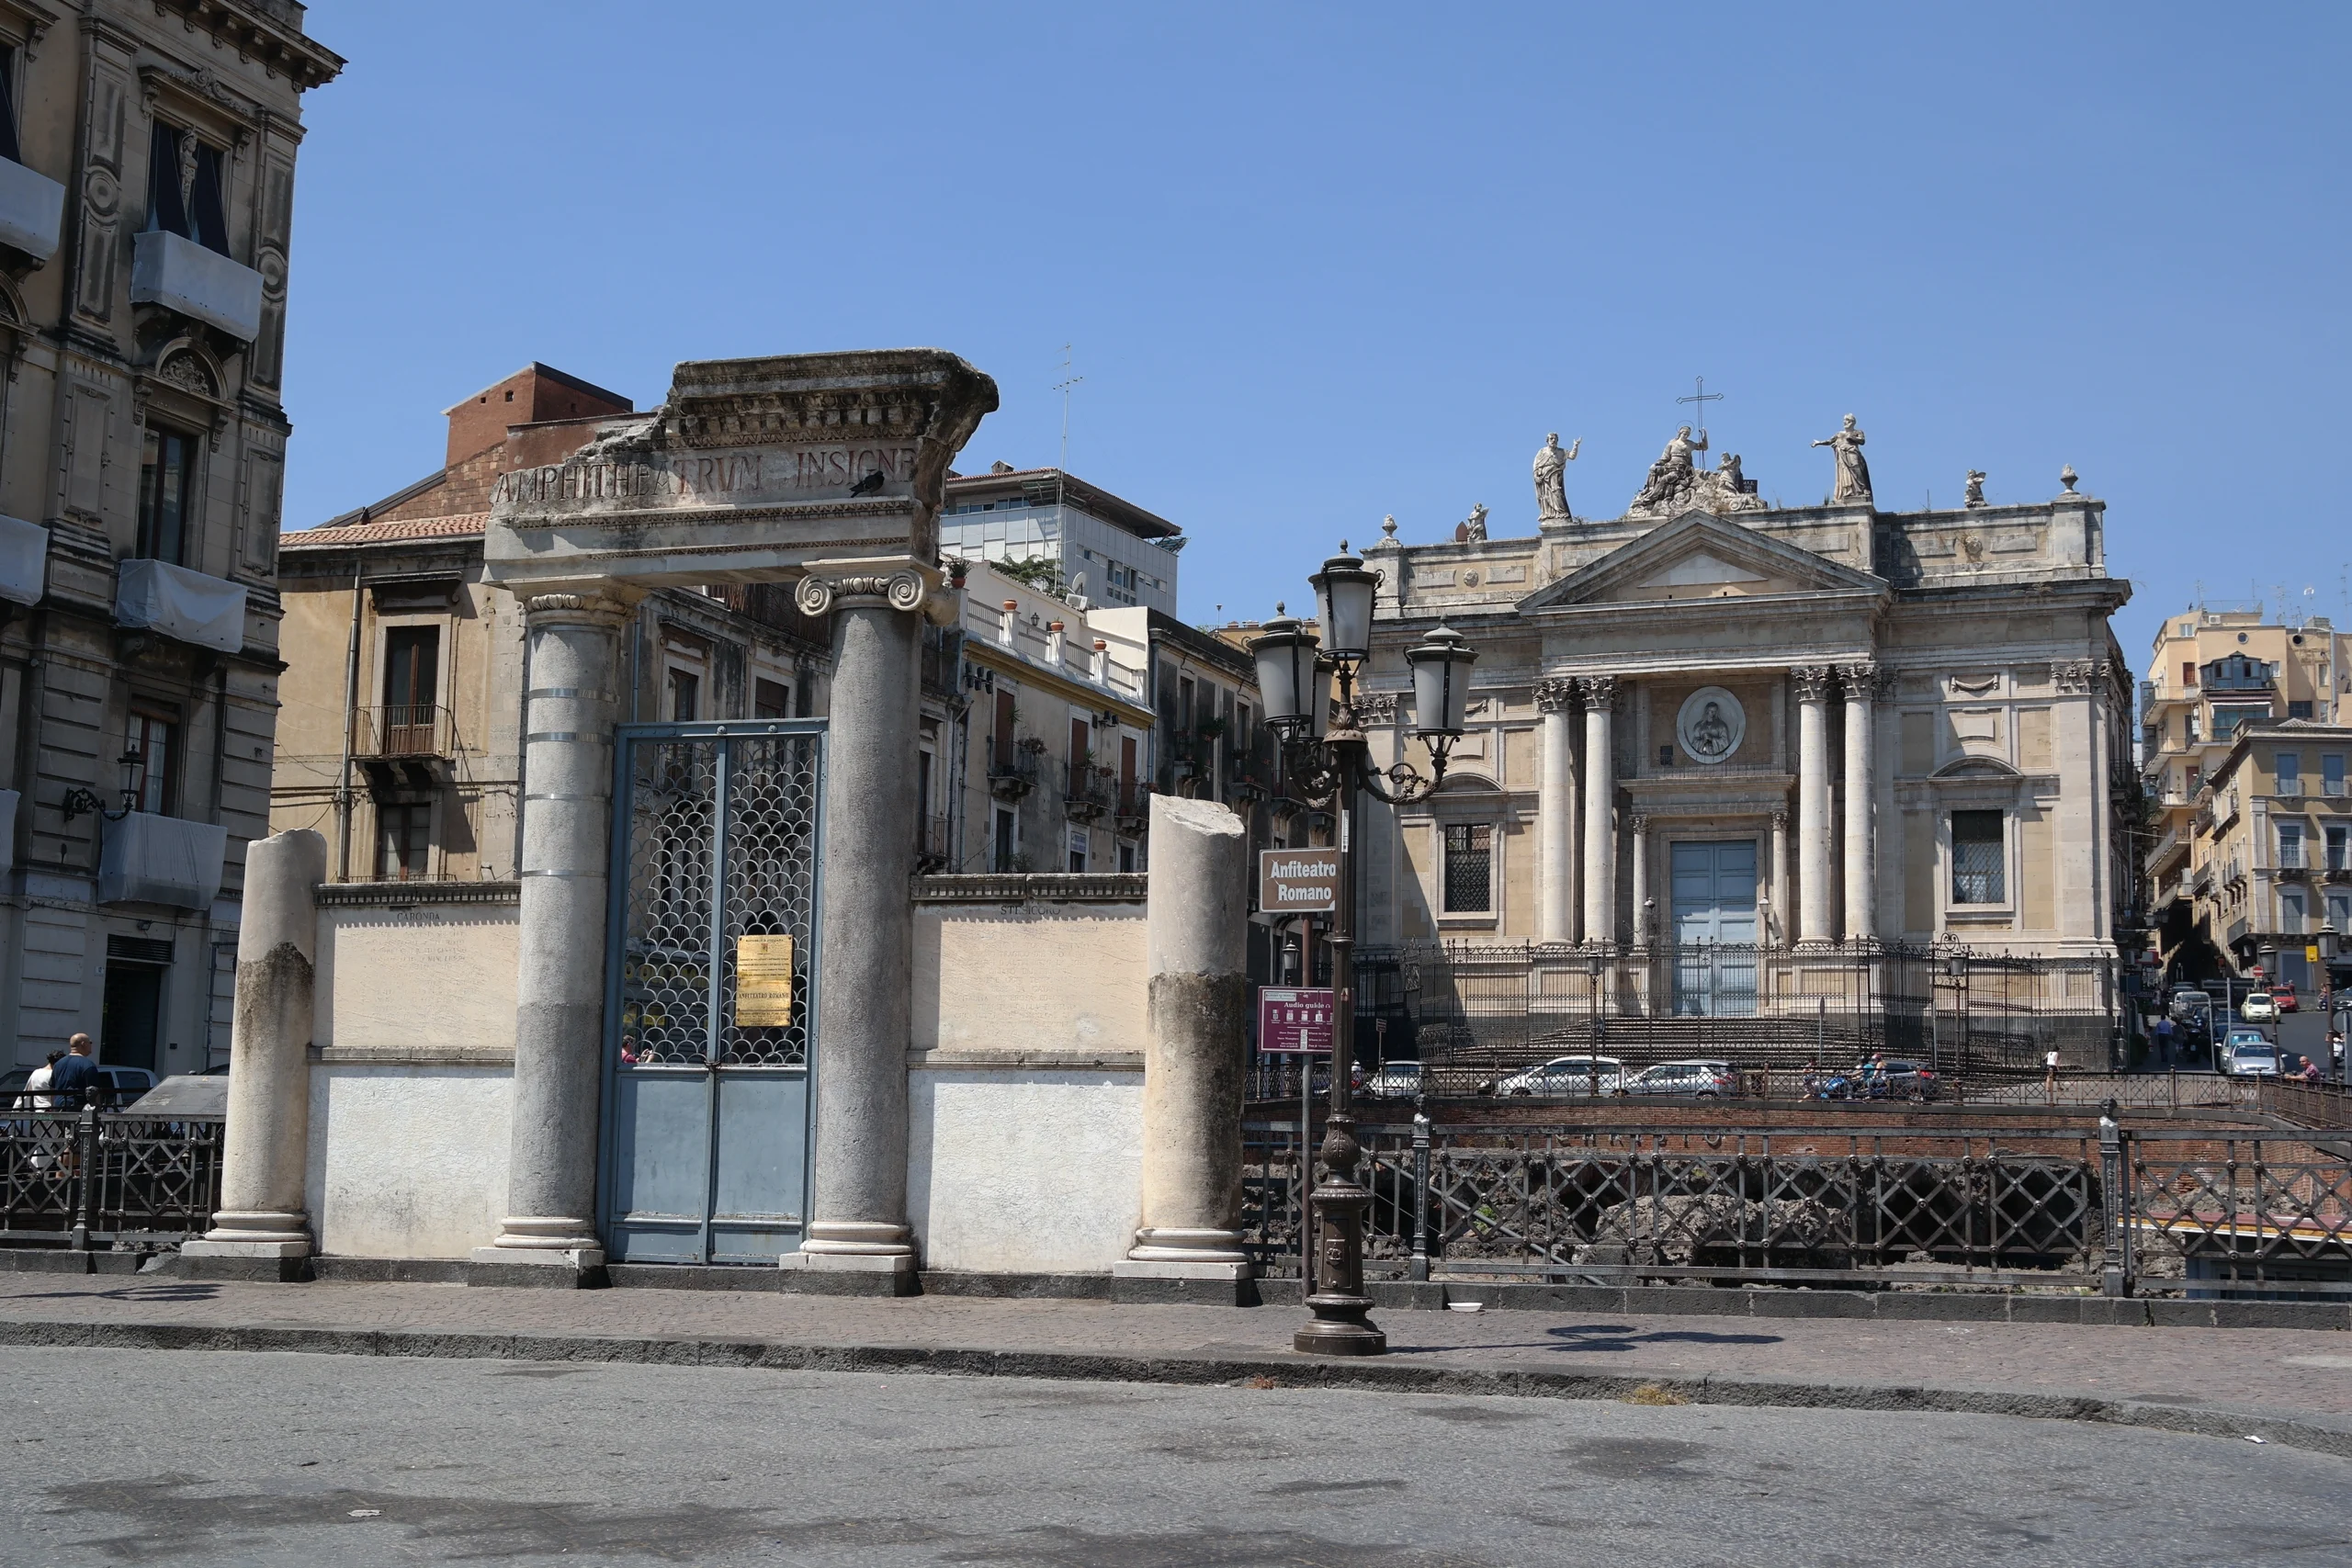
x=2259 y=1007
x=1398 y=1080
x=1566 y=1076
x=2248 y=1055
x=1706 y=1080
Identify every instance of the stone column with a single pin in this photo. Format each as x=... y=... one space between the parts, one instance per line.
x=1555 y=813
x=1861 y=880
x=570 y=706
x=1643 y=935
x=1196 y=921
x=865 y=1011
x=1780 y=877
x=266 y=1145
x=1599 y=693
x=1813 y=860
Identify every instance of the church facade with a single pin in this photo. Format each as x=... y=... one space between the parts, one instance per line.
x=1806 y=729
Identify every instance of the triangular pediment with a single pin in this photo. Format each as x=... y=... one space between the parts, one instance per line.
x=1700 y=556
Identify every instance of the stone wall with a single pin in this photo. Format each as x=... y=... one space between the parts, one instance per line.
x=1026 y=1079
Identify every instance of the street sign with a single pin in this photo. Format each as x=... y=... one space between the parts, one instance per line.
x=1295 y=1021
x=2311 y=953
x=1298 y=881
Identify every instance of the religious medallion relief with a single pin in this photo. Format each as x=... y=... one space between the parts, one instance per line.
x=1711 y=724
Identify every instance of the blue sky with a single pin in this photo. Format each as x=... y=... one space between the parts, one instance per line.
x=1323 y=264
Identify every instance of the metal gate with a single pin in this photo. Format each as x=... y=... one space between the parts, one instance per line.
x=711 y=990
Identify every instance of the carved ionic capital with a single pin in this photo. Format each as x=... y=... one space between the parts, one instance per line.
x=1600 y=691
x=1812 y=681
x=1555 y=693
x=818 y=596
x=607 y=609
x=2074 y=677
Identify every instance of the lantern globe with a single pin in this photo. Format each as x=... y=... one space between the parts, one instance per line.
x=1441 y=681
x=1343 y=592
x=1284 y=654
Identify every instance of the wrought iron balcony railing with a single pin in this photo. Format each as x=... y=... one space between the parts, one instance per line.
x=402 y=729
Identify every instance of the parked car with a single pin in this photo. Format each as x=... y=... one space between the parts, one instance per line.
x=1566 y=1076
x=1705 y=1079
x=1398 y=1080
x=2283 y=993
x=2248 y=1054
x=1905 y=1079
x=2258 y=1007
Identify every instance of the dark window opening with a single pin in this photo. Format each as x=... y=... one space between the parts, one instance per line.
x=1469 y=869
x=166 y=494
x=685 y=694
x=183 y=188
x=130 y=1014
x=1979 y=872
x=770 y=699
x=403 y=838
x=156 y=739
x=9 y=146
x=412 y=659
x=1006 y=834
x=1001 y=738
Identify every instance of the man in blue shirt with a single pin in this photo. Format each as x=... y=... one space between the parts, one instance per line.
x=74 y=1076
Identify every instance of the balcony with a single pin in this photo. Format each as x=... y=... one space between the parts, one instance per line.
x=1014 y=773
x=1090 y=794
x=932 y=854
x=1134 y=815
x=170 y=861
x=24 y=561
x=202 y=285
x=153 y=595
x=30 y=208
x=403 y=747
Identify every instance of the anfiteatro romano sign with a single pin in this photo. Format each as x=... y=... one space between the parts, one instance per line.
x=1298 y=881
x=752 y=469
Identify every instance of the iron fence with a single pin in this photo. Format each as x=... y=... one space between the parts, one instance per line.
x=2122 y=1211
x=89 y=1178
x=1510 y=1006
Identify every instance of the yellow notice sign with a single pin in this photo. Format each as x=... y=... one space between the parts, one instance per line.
x=763 y=982
x=2311 y=953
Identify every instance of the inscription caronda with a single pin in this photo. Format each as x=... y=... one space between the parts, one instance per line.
x=732 y=476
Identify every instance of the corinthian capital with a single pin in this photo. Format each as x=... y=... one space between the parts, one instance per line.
x=2076 y=676
x=1555 y=693
x=1599 y=691
x=1812 y=681
x=1859 y=680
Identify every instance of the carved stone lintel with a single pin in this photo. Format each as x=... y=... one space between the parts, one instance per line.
x=1599 y=691
x=818 y=596
x=1555 y=693
x=2074 y=677
x=1812 y=681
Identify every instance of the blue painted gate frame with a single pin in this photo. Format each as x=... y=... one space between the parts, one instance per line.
x=707 y=1161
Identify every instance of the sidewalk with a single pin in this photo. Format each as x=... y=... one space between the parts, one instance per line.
x=2287 y=1386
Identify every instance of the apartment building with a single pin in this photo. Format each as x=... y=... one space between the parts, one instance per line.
x=2271 y=847
x=147 y=160
x=2210 y=674
x=1072 y=538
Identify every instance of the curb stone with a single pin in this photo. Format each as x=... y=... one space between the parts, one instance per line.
x=1272 y=1370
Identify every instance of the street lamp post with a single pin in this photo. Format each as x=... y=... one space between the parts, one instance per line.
x=2326 y=939
x=1325 y=750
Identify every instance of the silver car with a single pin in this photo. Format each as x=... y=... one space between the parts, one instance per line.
x=2248 y=1055
x=1564 y=1076
x=1704 y=1079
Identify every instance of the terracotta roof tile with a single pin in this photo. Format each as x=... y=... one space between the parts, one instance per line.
x=390 y=529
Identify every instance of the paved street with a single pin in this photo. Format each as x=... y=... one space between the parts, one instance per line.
x=316 y=1459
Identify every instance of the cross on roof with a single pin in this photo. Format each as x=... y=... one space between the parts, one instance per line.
x=1702 y=397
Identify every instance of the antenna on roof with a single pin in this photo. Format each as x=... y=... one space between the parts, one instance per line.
x=1063 y=387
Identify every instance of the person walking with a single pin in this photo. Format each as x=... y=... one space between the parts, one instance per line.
x=36 y=1082
x=73 y=1076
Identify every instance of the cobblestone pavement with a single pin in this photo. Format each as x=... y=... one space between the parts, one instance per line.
x=2299 y=1373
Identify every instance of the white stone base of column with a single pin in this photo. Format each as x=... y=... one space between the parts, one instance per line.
x=209 y=1247
x=1162 y=1253
x=1233 y=1271
x=850 y=1262
x=573 y=1257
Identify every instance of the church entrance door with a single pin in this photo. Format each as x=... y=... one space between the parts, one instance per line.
x=1714 y=926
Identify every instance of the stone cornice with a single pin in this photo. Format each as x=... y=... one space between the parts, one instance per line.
x=1035 y=887
x=350 y=894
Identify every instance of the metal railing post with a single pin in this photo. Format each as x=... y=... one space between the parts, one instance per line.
x=85 y=1166
x=1421 y=1267
x=2116 y=1204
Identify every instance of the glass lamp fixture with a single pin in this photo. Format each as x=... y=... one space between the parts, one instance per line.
x=1287 y=676
x=1343 y=591
x=1441 y=683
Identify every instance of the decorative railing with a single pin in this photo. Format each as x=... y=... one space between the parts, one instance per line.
x=88 y=1179
x=402 y=729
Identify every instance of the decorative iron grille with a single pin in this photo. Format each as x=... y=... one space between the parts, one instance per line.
x=94 y=1176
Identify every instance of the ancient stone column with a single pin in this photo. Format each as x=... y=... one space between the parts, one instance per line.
x=1195 y=1042
x=1599 y=693
x=1643 y=935
x=570 y=704
x=1862 y=883
x=266 y=1146
x=857 y=1227
x=1555 y=813
x=1813 y=860
x=1779 y=880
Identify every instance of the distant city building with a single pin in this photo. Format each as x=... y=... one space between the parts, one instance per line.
x=147 y=157
x=1107 y=550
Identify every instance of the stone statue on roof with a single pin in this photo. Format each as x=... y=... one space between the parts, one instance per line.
x=1853 y=473
x=1552 y=478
